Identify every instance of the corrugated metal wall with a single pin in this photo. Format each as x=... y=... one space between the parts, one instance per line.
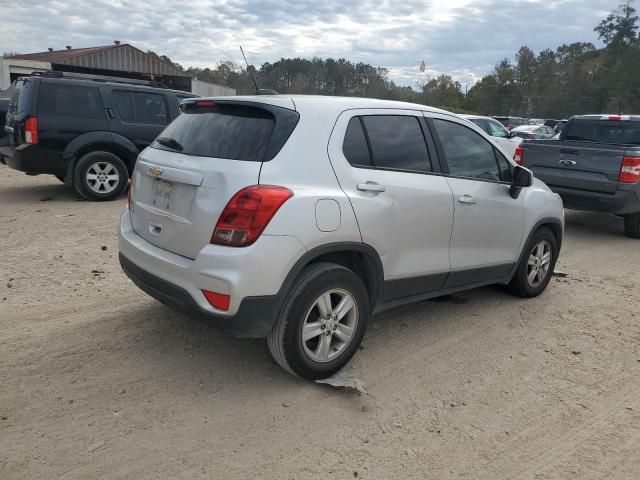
x=124 y=58
x=206 y=89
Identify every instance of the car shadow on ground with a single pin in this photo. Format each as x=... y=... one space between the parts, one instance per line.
x=44 y=192
x=593 y=223
x=178 y=347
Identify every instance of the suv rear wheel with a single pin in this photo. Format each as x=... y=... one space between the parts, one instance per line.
x=100 y=176
x=632 y=225
x=323 y=321
x=536 y=265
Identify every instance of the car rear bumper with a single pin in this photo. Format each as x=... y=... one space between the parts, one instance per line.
x=254 y=288
x=34 y=159
x=621 y=202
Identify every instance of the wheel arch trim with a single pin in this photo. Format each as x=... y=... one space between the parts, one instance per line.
x=555 y=222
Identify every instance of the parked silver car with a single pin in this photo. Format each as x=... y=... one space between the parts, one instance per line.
x=298 y=217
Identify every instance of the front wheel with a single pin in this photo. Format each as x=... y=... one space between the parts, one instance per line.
x=632 y=225
x=536 y=265
x=100 y=176
x=323 y=321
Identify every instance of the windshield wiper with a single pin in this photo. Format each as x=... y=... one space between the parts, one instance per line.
x=172 y=143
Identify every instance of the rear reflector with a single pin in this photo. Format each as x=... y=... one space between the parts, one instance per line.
x=248 y=213
x=630 y=171
x=518 y=155
x=31 y=130
x=217 y=300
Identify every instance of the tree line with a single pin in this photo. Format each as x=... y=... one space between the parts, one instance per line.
x=574 y=78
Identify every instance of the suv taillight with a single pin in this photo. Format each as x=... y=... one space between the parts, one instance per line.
x=518 y=155
x=630 y=170
x=31 y=130
x=248 y=213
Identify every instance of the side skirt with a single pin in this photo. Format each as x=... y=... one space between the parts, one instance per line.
x=454 y=282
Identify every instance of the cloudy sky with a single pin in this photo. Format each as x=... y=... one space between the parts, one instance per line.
x=463 y=38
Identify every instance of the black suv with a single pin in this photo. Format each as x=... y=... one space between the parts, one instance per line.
x=86 y=132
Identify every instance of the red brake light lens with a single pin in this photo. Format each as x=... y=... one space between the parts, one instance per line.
x=248 y=213
x=205 y=103
x=217 y=300
x=31 y=130
x=630 y=170
x=518 y=155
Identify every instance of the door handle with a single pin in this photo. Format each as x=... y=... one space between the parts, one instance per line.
x=371 y=187
x=466 y=200
x=110 y=113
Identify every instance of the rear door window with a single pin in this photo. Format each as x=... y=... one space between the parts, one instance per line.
x=235 y=132
x=141 y=107
x=150 y=108
x=468 y=154
x=355 y=146
x=397 y=142
x=61 y=99
x=20 y=96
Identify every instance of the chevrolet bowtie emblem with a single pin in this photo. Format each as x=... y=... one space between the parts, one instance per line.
x=155 y=171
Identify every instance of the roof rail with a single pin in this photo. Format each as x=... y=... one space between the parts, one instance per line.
x=98 y=78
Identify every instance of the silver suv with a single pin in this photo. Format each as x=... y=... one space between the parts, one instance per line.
x=296 y=218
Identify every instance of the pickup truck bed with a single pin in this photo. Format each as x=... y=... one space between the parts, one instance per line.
x=594 y=165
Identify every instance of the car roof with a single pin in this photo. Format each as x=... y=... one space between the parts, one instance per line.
x=604 y=115
x=337 y=104
x=478 y=117
x=528 y=127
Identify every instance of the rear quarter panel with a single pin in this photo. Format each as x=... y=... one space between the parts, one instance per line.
x=303 y=166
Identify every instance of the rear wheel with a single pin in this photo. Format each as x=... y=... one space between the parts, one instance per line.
x=536 y=266
x=632 y=225
x=323 y=321
x=100 y=176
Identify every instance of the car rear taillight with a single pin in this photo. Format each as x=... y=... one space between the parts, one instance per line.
x=518 y=155
x=248 y=213
x=630 y=170
x=31 y=130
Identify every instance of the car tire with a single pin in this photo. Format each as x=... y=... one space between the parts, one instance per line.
x=632 y=225
x=328 y=343
x=535 y=269
x=100 y=176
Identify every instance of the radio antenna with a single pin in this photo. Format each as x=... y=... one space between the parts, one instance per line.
x=249 y=70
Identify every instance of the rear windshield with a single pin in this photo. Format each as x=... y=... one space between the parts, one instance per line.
x=20 y=96
x=604 y=131
x=235 y=132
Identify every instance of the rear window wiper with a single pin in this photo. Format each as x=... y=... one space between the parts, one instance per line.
x=172 y=143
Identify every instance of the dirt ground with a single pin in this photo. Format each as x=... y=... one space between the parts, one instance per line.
x=97 y=380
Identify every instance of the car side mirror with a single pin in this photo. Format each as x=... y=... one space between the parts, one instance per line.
x=522 y=177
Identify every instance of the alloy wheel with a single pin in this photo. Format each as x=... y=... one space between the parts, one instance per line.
x=539 y=263
x=102 y=177
x=330 y=325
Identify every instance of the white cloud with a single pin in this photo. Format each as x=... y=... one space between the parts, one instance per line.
x=463 y=38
